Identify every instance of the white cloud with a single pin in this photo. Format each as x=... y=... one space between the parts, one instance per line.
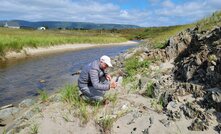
x=124 y=13
x=158 y=12
x=168 y=3
x=67 y=10
x=188 y=11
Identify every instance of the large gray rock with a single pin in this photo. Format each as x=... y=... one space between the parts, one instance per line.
x=26 y=103
x=215 y=94
x=166 y=66
x=200 y=61
x=8 y=112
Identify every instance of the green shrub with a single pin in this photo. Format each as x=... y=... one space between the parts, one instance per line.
x=133 y=65
x=83 y=113
x=70 y=94
x=34 y=129
x=150 y=90
x=43 y=95
x=106 y=123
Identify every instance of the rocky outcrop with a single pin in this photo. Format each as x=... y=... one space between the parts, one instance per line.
x=198 y=57
x=186 y=78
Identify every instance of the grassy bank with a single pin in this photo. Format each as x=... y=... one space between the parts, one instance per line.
x=16 y=39
x=156 y=36
x=209 y=22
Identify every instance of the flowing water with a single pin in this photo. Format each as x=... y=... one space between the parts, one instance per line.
x=21 y=79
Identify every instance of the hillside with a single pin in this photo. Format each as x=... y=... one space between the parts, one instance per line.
x=68 y=25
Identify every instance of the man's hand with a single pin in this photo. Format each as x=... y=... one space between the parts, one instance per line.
x=113 y=84
x=108 y=77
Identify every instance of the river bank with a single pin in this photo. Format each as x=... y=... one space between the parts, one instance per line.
x=153 y=100
x=31 y=52
x=21 y=78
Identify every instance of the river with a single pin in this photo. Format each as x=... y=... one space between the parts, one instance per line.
x=21 y=79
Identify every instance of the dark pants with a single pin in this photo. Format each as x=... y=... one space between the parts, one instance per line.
x=92 y=93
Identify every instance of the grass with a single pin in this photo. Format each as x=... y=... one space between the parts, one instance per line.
x=155 y=36
x=106 y=122
x=4 y=131
x=96 y=108
x=43 y=95
x=34 y=129
x=150 y=90
x=112 y=98
x=157 y=105
x=209 y=22
x=83 y=113
x=133 y=65
x=17 y=39
x=70 y=95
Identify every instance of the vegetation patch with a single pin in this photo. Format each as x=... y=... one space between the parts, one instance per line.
x=209 y=22
x=106 y=123
x=34 y=129
x=43 y=95
x=17 y=39
x=70 y=95
x=133 y=65
x=150 y=90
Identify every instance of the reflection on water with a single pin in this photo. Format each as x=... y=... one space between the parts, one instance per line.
x=21 y=79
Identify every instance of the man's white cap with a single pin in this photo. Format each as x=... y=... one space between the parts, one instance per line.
x=106 y=60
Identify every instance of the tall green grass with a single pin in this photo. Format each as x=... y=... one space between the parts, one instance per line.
x=133 y=65
x=17 y=39
x=70 y=94
x=209 y=22
x=43 y=95
x=155 y=36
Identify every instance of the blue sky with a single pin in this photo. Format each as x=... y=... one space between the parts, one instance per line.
x=136 y=12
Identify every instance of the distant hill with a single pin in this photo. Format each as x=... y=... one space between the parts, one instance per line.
x=68 y=25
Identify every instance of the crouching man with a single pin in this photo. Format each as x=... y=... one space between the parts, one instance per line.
x=93 y=81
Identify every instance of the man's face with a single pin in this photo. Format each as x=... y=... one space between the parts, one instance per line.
x=104 y=65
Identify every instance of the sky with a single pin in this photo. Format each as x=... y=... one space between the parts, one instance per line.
x=145 y=13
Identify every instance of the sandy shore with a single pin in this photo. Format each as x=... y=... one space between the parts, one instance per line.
x=29 y=52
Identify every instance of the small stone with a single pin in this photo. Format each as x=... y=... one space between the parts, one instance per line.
x=124 y=107
x=56 y=98
x=145 y=131
x=172 y=106
x=198 y=125
x=151 y=119
x=215 y=94
x=165 y=122
x=42 y=81
x=214 y=63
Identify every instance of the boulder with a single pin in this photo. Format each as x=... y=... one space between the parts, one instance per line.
x=8 y=112
x=26 y=103
x=215 y=94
